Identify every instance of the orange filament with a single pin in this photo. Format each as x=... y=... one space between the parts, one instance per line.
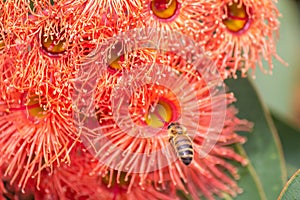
x=53 y=44
x=161 y=114
x=164 y=9
x=237 y=17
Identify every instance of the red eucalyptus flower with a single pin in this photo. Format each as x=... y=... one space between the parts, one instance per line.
x=174 y=15
x=237 y=34
x=46 y=38
x=76 y=181
x=243 y=33
x=134 y=107
x=147 y=78
x=35 y=134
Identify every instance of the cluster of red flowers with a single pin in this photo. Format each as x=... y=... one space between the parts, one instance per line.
x=86 y=98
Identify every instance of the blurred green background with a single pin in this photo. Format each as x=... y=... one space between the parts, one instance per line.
x=279 y=89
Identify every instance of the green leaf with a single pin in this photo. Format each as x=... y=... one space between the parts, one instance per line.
x=267 y=166
x=290 y=137
x=291 y=189
x=249 y=180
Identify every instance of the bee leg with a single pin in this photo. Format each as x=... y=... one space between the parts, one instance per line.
x=170 y=139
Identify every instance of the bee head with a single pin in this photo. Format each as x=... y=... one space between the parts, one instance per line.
x=173 y=124
x=170 y=125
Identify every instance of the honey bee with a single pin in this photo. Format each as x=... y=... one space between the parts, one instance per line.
x=181 y=142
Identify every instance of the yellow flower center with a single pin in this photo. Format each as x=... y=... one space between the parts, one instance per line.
x=112 y=180
x=53 y=44
x=237 y=17
x=2 y=44
x=160 y=114
x=35 y=108
x=164 y=9
x=154 y=106
x=115 y=64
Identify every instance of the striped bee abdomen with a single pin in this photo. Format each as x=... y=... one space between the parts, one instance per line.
x=184 y=148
